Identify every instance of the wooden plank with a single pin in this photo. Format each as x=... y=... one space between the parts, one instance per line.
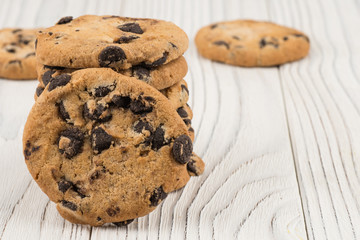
x=249 y=188
x=322 y=102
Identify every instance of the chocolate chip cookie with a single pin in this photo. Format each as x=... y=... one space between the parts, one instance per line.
x=159 y=77
x=251 y=43
x=106 y=148
x=17 y=53
x=110 y=41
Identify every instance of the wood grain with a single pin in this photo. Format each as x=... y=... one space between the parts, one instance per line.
x=281 y=144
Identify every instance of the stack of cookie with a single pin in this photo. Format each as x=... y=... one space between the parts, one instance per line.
x=110 y=133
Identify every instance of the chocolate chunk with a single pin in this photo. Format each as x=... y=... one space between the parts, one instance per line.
x=173 y=45
x=78 y=191
x=262 y=43
x=71 y=142
x=191 y=166
x=34 y=149
x=27 y=153
x=39 y=91
x=160 y=61
x=47 y=76
x=112 y=211
x=157 y=196
x=50 y=33
x=54 y=67
x=181 y=111
x=149 y=99
x=182 y=149
x=183 y=87
x=302 y=36
x=11 y=50
x=60 y=80
x=120 y=101
x=187 y=121
x=285 y=38
x=191 y=129
x=99 y=113
x=17 y=30
x=236 y=37
x=98 y=218
x=100 y=140
x=36 y=43
x=65 y=20
x=131 y=27
x=158 y=139
x=112 y=16
x=141 y=73
x=24 y=41
x=102 y=91
x=222 y=43
x=30 y=54
x=15 y=61
x=125 y=39
x=62 y=111
x=141 y=125
x=123 y=223
x=140 y=107
x=273 y=42
x=213 y=26
x=111 y=55
x=64 y=185
x=69 y=205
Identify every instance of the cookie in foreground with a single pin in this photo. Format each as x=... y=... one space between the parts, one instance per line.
x=251 y=44
x=105 y=148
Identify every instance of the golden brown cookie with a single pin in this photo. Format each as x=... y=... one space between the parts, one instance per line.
x=17 y=53
x=160 y=77
x=106 y=148
x=251 y=44
x=110 y=41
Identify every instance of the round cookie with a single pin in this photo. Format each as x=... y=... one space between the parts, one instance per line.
x=105 y=148
x=178 y=94
x=110 y=41
x=250 y=43
x=17 y=53
x=160 y=77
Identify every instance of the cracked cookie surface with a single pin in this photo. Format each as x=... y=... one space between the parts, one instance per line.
x=17 y=53
x=250 y=43
x=110 y=41
x=105 y=148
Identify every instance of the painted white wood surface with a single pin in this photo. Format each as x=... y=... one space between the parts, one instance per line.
x=281 y=144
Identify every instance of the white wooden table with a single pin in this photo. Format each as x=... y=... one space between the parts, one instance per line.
x=282 y=144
